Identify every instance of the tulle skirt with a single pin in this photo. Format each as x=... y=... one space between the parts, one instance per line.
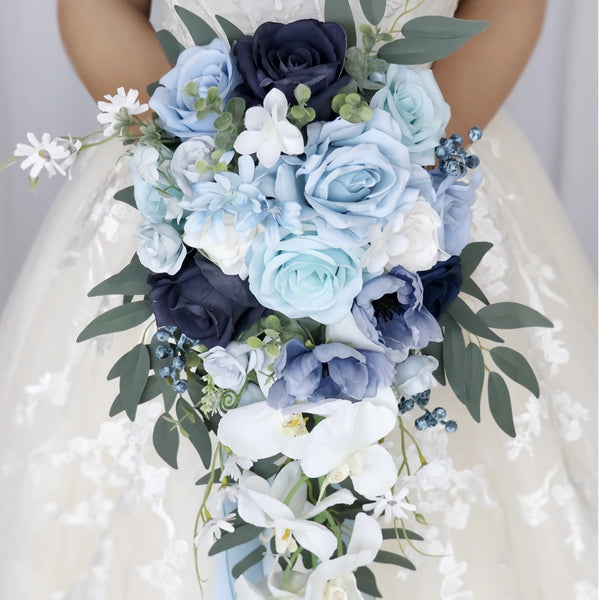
x=88 y=510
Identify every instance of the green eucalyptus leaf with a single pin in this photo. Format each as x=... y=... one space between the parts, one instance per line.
x=512 y=315
x=459 y=310
x=472 y=255
x=151 y=390
x=126 y=196
x=474 y=376
x=515 y=365
x=232 y=32
x=366 y=582
x=152 y=87
x=248 y=561
x=120 y=318
x=472 y=289
x=131 y=280
x=373 y=10
x=418 y=51
x=242 y=534
x=135 y=367
x=390 y=558
x=202 y=33
x=435 y=349
x=339 y=12
x=266 y=467
x=443 y=28
x=170 y=45
x=193 y=424
x=453 y=353
x=206 y=478
x=390 y=533
x=499 y=400
x=166 y=439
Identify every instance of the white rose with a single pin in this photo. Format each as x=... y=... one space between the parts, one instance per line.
x=415 y=375
x=227 y=371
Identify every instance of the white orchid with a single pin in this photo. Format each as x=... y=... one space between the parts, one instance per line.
x=258 y=431
x=117 y=112
x=283 y=507
x=213 y=530
x=268 y=132
x=346 y=444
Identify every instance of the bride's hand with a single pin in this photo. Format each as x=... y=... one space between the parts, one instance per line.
x=476 y=79
x=111 y=44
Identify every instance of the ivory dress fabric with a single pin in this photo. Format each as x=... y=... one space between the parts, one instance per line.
x=87 y=509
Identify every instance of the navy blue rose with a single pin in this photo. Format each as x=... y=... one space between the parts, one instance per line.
x=441 y=284
x=203 y=302
x=283 y=56
x=390 y=311
x=329 y=371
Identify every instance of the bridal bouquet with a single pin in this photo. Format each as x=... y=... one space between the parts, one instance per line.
x=309 y=282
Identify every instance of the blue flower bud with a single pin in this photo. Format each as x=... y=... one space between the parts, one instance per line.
x=421 y=423
x=165 y=372
x=179 y=363
x=475 y=134
x=162 y=335
x=451 y=426
x=472 y=161
x=439 y=414
x=457 y=139
x=180 y=386
x=163 y=352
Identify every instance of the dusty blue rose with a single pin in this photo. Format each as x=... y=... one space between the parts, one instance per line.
x=284 y=55
x=205 y=67
x=413 y=98
x=332 y=370
x=356 y=174
x=304 y=276
x=389 y=311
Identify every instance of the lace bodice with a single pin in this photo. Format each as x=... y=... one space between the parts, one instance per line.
x=248 y=15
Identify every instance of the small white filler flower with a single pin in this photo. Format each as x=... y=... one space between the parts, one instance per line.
x=117 y=112
x=43 y=154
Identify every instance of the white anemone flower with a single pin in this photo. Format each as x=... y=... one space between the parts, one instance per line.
x=268 y=132
x=43 y=154
x=346 y=444
x=117 y=112
x=265 y=506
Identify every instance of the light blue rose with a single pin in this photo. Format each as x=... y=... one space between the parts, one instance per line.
x=185 y=161
x=303 y=276
x=414 y=100
x=356 y=173
x=206 y=67
x=160 y=249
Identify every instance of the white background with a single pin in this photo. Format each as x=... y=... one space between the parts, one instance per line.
x=555 y=103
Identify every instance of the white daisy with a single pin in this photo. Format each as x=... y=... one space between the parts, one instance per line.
x=117 y=112
x=391 y=506
x=43 y=154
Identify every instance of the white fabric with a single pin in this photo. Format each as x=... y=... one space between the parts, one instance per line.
x=88 y=511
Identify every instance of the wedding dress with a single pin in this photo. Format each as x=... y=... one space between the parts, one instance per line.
x=88 y=510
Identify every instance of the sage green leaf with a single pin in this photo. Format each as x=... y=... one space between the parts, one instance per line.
x=166 y=439
x=515 y=365
x=389 y=533
x=131 y=281
x=373 y=10
x=459 y=310
x=339 y=12
x=126 y=196
x=166 y=390
x=152 y=87
x=116 y=319
x=248 y=561
x=435 y=349
x=135 y=367
x=418 y=51
x=151 y=390
x=266 y=467
x=512 y=315
x=206 y=478
x=195 y=390
x=443 y=28
x=117 y=369
x=453 y=352
x=499 y=399
x=170 y=45
x=474 y=377
x=390 y=558
x=472 y=289
x=242 y=534
x=193 y=424
x=202 y=33
x=471 y=256
x=366 y=582
x=231 y=31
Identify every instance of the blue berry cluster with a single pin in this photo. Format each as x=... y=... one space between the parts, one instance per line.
x=453 y=158
x=428 y=418
x=182 y=343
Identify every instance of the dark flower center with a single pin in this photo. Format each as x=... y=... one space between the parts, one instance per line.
x=387 y=307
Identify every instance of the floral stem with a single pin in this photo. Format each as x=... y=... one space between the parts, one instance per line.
x=297 y=485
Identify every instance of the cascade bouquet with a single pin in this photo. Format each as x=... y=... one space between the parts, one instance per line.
x=309 y=282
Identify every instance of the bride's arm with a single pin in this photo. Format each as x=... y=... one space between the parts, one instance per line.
x=477 y=78
x=111 y=44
